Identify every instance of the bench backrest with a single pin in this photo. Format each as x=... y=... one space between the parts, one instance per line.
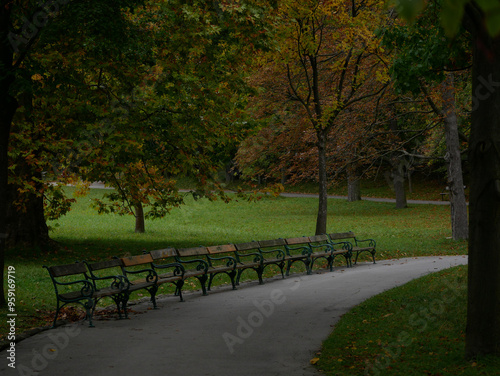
x=299 y=240
x=247 y=246
x=341 y=235
x=271 y=243
x=100 y=265
x=67 y=270
x=318 y=238
x=195 y=251
x=136 y=260
x=226 y=248
x=158 y=254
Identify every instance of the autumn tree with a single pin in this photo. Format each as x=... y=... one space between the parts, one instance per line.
x=327 y=60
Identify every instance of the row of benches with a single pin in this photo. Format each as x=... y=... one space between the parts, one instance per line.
x=86 y=283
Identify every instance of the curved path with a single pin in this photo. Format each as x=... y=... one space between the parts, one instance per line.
x=273 y=329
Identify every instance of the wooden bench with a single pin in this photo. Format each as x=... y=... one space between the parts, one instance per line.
x=323 y=247
x=142 y=266
x=273 y=252
x=248 y=257
x=297 y=249
x=358 y=246
x=67 y=277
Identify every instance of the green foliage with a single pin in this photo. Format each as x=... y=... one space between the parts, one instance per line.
x=422 y=52
x=452 y=13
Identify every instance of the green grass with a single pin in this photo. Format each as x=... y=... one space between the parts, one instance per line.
x=420 y=230
x=415 y=329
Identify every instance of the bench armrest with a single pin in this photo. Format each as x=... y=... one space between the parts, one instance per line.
x=329 y=247
x=280 y=254
x=151 y=277
x=371 y=242
x=345 y=245
x=304 y=249
x=231 y=261
x=87 y=290
x=202 y=264
x=257 y=257
x=177 y=266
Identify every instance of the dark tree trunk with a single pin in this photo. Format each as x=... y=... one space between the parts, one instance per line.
x=140 y=226
x=353 y=187
x=458 y=204
x=483 y=317
x=8 y=106
x=323 y=186
x=398 y=180
x=27 y=225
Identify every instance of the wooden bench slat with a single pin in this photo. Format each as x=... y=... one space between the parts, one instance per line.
x=341 y=235
x=272 y=243
x=318 y=238
x=68 y=269
x=137 y=260
x=163 y=253
x=247 y=246
x=299 y=240
x=195 y=251
x=221 y=249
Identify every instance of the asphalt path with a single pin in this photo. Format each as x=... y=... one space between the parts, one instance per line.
x=270 y=329
x=313 y=195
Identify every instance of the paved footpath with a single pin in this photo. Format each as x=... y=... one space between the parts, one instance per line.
x=273 y=329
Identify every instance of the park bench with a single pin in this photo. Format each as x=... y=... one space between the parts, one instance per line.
x=87 y=283
x=141 y=265
x=297 y=249
x=324 y=247
x=72 y=286
x=358 y=246
x=248 y=257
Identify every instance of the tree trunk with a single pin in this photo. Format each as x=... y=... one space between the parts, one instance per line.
x=353 y=187
x=323 y=185
x=458 y=204
x=483 y=316
x=140 y=226
x=398 y=179
x=27 y=226
x=8 y=107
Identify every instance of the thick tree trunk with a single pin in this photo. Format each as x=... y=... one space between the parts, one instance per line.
x=458 y=204
x=27 y=225
x=323 y=186
x=483 y=317
x=140 y=226
x=8 y=106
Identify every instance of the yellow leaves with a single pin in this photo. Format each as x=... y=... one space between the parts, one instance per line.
x=314 y=361
x=37 y=77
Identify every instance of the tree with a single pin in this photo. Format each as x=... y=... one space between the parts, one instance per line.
x=318 y=77
x=424 y=65
x=481 y=18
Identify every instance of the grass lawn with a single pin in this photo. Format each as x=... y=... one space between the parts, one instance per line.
x=420 y=230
